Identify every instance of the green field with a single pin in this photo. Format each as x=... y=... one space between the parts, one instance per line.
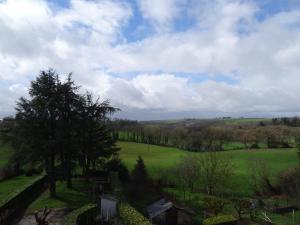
x=158 y=158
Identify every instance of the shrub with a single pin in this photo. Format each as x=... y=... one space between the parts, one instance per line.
x=214 y=205
x=130 y=216
x=220 y=220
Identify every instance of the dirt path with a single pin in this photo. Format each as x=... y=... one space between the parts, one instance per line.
x=56 y=217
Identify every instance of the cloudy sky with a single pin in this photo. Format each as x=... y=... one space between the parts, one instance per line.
x=158 y=59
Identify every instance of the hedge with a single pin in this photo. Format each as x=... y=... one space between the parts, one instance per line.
x=130 y=216
x=81 y=216
x=220 y=220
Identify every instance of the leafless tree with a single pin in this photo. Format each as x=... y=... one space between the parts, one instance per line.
x=215 y=170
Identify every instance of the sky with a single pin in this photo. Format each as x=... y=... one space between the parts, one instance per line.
x=158 y=59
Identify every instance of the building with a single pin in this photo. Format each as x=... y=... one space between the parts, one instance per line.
x=108 y=206
x=165 y=212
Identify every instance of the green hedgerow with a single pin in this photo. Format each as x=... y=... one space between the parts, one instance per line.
x=130 y=216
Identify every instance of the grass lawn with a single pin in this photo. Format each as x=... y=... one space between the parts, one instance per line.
x=66 y=198
x=5 y=152
x=10 y=186
x=158 y=158
x=155 y=157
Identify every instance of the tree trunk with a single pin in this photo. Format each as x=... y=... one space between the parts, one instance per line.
x=68 y=173
x=51 y=175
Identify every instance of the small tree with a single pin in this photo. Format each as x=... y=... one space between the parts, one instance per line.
x=139 y=173
x=260 y=173
x=188 y=172
x=215 y=170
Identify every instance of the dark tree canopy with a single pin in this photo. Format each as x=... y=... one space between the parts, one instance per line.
x=60 y=128
x=139 y=173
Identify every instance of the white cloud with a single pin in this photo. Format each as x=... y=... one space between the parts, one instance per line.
x=87 y=39
x=161 y=13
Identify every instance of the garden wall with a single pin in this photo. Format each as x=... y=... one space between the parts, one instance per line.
x=14 y=205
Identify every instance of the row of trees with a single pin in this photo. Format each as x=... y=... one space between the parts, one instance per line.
x=206 y=136
x=59 y=128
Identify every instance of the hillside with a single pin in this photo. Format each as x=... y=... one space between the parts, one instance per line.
x=159 y=158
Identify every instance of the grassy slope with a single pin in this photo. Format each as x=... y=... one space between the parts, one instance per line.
x=155 y=157
x=158 y=158
x=5 y=153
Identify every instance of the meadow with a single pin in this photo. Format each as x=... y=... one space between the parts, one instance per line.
x=158 y=158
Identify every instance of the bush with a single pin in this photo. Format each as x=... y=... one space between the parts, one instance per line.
x=220 y=220
x=214 y=205
x=130 y=216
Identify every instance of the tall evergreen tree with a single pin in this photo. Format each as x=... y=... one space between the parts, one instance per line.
x=59 y=127
x=139 y=173
x=36 y=124
x=94 y=136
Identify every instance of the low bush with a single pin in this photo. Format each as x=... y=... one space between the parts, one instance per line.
x=220 y=220
x=130 y=216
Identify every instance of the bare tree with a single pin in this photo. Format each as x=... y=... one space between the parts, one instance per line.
x=260 y=173
x=215 y=169
x=188 y=172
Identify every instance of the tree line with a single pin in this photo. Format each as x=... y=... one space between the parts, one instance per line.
x=210 y=135
x=59 y=129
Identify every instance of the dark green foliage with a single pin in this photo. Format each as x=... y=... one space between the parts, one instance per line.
x=58 y=127
x=139 y=173
x=116 y=164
